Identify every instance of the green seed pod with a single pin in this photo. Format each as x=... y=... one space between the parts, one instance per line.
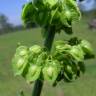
x=51 y=70
x=35 y=49
x=69 y=69
x=19 y=64
x=51 y=3
x=40 y=60
x=77 y=53
x=69 y=13
x=50 y=74
x=86 y=47
x=28 y=9
x=69 y=74
x=22 y=51
x=63 y=47
x=33 y=73
x=61 y=50
x=75 y=12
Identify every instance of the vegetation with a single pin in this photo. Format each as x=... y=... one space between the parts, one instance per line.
x=66 y=60
x=9 y=84
x=63 y=60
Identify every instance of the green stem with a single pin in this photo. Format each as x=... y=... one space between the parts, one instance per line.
x=48 y=44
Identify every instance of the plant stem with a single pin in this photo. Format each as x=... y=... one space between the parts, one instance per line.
x=48 y=45
x=49 y=39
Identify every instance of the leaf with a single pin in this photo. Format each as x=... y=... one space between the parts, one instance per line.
x=63 y=19
x=20 y=60
x=70 y=12
x=62 y=48
x=41 y=58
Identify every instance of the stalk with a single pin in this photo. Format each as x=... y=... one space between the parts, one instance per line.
x=48 y=45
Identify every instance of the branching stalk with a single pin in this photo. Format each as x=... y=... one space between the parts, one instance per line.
x=48 y=45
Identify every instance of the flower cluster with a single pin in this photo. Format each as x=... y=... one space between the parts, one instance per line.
x=58 y=13
x=65 y=62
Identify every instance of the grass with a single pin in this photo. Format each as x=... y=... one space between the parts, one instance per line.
x=10 y=85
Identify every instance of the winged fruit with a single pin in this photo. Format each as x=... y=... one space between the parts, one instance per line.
x=51 y=70
x=20 y=60
x=33 y=73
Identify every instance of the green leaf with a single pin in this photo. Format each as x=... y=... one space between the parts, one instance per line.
x=34 y=51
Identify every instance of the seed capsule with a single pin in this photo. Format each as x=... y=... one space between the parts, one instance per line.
x=33 y=73
x=19 y=64
x=22 y=51
x=86 y=47
x=77 y=53
x=51 y=71
x=35 y=49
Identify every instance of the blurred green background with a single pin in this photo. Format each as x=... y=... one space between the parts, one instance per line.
x=11 y=86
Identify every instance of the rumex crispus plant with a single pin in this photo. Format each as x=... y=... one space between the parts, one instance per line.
x=66 y=61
